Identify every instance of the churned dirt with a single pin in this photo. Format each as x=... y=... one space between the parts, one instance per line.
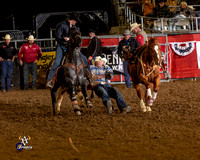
x=170 y=132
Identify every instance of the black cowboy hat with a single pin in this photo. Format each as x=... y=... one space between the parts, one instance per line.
x=92 y=30
x=74 y=16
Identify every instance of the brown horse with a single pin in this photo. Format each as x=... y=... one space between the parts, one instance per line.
x=143 y=67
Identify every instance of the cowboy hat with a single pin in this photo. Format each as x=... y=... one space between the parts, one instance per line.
x=98 y=58
x=126 y=32
x=74 y=16
x=7 y=36
x=92 y=30
x=30 y=38
x=104 y=60
x=134 y=25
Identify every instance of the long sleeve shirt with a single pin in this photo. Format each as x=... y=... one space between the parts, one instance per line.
x=7 y=51
x=30 y=54
x=99 y=74
x=94 y=48
x=131 y=42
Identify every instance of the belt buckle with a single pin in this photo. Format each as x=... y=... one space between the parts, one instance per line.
x=102 y=82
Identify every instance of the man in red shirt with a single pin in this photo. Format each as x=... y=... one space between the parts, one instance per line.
x=141 y=35
x=31 y=53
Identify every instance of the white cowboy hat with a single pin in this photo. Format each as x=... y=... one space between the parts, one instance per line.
x=98 y=58
x=134 y=25
x=30 y=38
x=104 y=60
x=7 y=36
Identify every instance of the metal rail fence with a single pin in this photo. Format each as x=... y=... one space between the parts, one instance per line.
x=49 y=44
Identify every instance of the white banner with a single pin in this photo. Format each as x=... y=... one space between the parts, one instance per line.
x=183 y=48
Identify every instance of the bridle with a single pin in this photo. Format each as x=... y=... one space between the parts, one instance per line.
x=152 y=68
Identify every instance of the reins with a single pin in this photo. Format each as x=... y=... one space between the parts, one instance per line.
x=144 y=66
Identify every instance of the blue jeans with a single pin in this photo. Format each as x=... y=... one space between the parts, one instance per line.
x=6 y=73
x=60 y=50
x=126 y=75
x=84 y=59
x=30 y=68
x=105 y=91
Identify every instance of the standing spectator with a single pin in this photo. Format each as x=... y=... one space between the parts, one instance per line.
x=31 y=53
x=141 y=34
x=94 y=47
x=127 y=40
x=7 y=57
x=62 y=36
x=101 y=75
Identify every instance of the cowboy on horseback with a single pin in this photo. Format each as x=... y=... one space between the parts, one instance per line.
x=71 y=77
x=62 y=37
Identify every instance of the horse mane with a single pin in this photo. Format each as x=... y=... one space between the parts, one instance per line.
x=73 y=45
x=150 y=53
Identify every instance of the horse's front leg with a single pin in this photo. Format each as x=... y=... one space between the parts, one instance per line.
x=84 y=91
x=139 y=93
x=72 y=92
x=149 y=86
x=155 y=89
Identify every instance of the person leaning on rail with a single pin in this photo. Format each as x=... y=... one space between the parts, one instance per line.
x=184 y=9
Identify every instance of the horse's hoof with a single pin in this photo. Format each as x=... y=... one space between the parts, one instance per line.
x=92 y=96
x=148 y=109
x=58 y=113
x=143 y=109
x=78 y=113
x=89 y=104
x=150 y=102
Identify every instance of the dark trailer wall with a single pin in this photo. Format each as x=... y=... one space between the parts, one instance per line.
x=96 y=20
x=24 y=13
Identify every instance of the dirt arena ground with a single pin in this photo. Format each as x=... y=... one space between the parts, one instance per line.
x=170 y=132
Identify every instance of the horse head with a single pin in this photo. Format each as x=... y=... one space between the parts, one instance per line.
x=154 y=51
x=126 y=52
x=75 y=39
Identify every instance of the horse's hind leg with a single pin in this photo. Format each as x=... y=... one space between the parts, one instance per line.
x=53 y=97
x=59 y=99
x=139 y=93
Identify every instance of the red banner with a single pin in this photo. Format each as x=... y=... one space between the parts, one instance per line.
x=184 y=56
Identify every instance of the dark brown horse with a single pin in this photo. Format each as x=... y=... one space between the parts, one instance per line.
x=71 y=76
x=144 y=68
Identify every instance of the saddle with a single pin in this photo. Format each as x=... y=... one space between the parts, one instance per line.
x=88 y=75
